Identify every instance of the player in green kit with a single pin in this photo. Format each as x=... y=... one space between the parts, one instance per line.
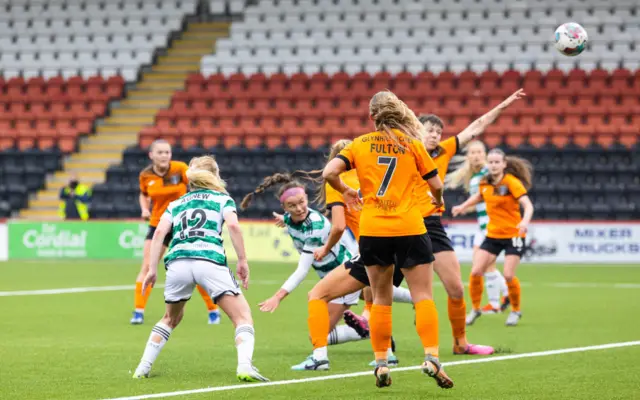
x=196 y=256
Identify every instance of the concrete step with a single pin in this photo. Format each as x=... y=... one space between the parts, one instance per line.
x=187 y=60
x=129 y=120
x=161 y=76
x=100 y=146
x=177 y=67
x=99 y=157
x=193 y=43
x=100 y=165
x=47 y=204
x=152 y=93
x=190 y=51
x=162 y=85
x=205 y=35
x=134 y=111
x=117 y=138
x=208 y=26
x=83 y=176
x=157 y=103
x=48 y=214
x=47 y=195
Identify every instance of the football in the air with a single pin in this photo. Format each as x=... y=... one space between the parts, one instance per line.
x=571 y=39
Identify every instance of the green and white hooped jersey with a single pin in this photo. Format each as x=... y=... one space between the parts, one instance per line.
x=481 y=208
x=197 y=219
x=312 y=233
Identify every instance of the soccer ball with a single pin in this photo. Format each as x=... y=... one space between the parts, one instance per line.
x=571 y=39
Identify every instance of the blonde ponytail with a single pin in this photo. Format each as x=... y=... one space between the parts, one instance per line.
x=203 y=173
x=461 y=177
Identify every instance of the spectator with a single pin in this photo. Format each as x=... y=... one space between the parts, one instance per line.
x=74 y=200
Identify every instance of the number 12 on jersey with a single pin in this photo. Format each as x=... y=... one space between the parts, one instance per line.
x=391 y=163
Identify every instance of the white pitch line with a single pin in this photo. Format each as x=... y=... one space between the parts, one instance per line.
x=557 y=285
x=365 y=373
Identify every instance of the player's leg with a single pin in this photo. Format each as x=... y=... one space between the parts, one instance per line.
x=511 y=262
x=420 y=281
x=212 y=308
x=336 y=284
x=177 y=291
x=497 y=292
x=140 y=298
x=484 y=257
x=447 y=267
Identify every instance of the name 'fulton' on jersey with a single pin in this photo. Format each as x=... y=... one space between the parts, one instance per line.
x=197 y=219
x=312 y=233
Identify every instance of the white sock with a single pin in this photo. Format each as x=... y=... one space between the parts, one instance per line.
x=245 y=342
x=320 y=353
x=504 y=289
x=159 y=336
x=401 y=295
x=343 y=334
x=492 y=284
x=389 y=352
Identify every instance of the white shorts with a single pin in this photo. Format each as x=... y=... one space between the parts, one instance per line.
x=349 y=300
x=183 y=275
x=478 y=238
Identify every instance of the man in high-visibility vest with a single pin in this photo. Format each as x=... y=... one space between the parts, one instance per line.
x=74 y=200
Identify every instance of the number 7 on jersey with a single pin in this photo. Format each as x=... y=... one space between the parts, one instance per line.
x=391 y=163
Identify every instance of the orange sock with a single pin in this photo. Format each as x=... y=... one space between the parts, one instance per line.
x=380 y=326
x=514 y=294
x=476 y=285
x=457 y=310
x=427 y=326
x=366 y=313
x=145 y=295
x=138 y=298
x=318 y=322
x=211 y=306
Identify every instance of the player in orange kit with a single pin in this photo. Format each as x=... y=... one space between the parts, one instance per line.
x=388 y=163
x=503 y=191
x=161 y=183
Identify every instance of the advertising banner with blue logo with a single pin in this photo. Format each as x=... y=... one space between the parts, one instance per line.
x=558 y=242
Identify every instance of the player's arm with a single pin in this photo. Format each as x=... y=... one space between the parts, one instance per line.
x=470 y=202
x=527 y=205
x=304 y=266
x=338 y=225
x=429 y=172
x=478 y=126
x=145 y=205
x=331 y=174
x=237 y=240
x=156 y=250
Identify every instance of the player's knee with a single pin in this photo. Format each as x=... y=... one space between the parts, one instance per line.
x=315 y=294
x=508 y=276
x=172 y=320
x=455 y=290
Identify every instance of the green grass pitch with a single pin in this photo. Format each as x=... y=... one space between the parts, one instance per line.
x=81 y=346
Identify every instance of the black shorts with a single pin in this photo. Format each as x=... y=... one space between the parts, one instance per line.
x=401 y=251
x=356 y=269
x=152 y=230
x=511 y=247
x=439 y=239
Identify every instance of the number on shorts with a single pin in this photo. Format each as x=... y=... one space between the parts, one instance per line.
x=198 y=214
x=517 y=242
x=391 y=163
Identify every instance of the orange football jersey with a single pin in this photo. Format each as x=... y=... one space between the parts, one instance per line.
x=387 y=174
x=163 y=189
x=442 y=157
x=503 y=208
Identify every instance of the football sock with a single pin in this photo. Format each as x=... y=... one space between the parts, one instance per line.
x=245 y=341
x=475 y=291
x=343 y=334
x=401 y=295
x=318 y=323
x=457 y=309
x=138 y=298
x=380 y=330
x=514 y=294
x=211 y=306
x=493 y=286
x=159 y=336
x=427 y=326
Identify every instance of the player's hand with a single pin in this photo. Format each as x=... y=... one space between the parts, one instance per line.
x=352 y=199
x=279 y=219
x=320 y=253
x=149 y=280
x=522 y=227
x=436 y=202
x=242 y=270
x=270 y=304
x=457 y=210
x=146 y=214
x=517 y=95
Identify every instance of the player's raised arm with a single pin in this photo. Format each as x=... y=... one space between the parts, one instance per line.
x=478 y=126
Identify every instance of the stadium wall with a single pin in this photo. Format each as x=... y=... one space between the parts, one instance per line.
x=548 y=242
